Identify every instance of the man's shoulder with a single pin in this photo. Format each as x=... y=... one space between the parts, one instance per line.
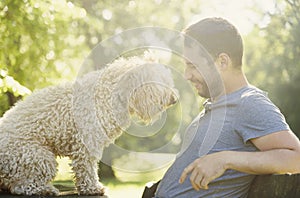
x=252 y=92
x=254 y=99
x=253 y=95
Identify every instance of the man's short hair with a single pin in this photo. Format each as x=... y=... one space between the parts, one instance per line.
x=217 y=36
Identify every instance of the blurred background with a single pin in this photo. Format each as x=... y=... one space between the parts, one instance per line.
x=44 y=43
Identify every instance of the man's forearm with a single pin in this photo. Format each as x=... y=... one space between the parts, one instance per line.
x=279 y=153
x=277 y=161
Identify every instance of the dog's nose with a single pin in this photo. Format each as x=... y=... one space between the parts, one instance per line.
x=173 y=100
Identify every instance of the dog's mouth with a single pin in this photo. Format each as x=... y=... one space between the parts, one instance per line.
x=174 y=98
x=153 y=114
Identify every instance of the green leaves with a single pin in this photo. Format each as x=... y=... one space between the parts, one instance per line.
x=9 y=84
x=273 y=58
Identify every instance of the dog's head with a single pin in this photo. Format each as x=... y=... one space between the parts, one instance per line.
x=151 y=91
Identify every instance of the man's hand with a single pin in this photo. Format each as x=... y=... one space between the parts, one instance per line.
x=205 y=169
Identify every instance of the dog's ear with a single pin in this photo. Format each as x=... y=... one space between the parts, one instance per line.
x=125 y=89
x=121 y=94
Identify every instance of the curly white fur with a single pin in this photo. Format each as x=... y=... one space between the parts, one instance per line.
x=78 y=120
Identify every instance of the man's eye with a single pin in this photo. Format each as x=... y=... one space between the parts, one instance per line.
x=191 y=66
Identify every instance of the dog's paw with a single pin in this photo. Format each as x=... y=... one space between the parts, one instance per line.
x=34 y=189
x=99 y=189
x=50 y=190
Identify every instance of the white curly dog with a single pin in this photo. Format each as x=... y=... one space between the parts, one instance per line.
x=78 y=120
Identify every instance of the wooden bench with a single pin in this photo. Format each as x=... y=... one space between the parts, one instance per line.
x=65 y=192
x=264 y=186
x=275 y=186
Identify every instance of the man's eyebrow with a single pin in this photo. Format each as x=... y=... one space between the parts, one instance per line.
x=188 y=63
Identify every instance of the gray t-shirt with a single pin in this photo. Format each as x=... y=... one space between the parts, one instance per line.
x=235 y=118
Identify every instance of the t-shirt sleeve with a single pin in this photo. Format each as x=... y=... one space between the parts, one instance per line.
x=258 y=116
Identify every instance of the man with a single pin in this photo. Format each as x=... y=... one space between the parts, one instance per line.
x=253 y=137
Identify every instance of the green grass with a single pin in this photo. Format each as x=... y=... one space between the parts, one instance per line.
x=117 y=189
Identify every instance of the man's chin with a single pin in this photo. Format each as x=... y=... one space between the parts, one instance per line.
x=203 y=95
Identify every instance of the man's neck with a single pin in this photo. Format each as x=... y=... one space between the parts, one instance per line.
x=232 y=83
x=235 y=82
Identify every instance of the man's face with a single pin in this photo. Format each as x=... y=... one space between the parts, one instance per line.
x=194 y=76
x=193 y=71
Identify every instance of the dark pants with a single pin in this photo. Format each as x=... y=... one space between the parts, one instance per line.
x=149 y=191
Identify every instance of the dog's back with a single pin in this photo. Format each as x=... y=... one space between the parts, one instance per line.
x=37 y=114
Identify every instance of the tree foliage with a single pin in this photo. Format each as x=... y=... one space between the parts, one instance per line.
x=40 y=43
x=273 y=58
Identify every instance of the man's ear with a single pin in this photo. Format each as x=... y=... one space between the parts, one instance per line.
x=223 y=61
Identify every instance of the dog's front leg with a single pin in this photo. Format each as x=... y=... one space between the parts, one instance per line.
x=86 y=177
